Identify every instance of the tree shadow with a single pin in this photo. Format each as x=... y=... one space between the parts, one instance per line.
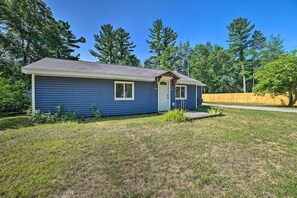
x=14 y=122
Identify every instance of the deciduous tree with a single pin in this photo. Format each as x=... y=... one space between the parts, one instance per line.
x=279 y=78
x=29 y=32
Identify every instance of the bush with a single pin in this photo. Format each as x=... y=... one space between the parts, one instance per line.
x=95 y=112
x=175 y=116
x=215 y=111
x=13 y=96
x=68 y=117
x=44 y=118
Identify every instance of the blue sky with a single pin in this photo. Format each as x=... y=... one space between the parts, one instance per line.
x=198 y=21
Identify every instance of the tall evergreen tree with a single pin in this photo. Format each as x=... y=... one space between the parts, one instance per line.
x=183 y=54
x=239 y=33
x=156 y=43
x=68 y=42
x=105 y=45
x=273 y=50
x=162 y=45
x=169 y=58
x=257 y=45
x=150 y=63
x=130 y=60
x=123 y=44
x=114 y=47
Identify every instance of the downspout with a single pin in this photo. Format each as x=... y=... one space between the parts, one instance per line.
x=33 y=93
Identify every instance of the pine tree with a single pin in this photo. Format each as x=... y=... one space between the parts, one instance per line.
x=114 y=47
x=130 y=60
x=156 y=43
x=162 y=45
x=274 y=49
x=257 y=44
x=105 y=45
x=68 y=42
x=123 y=45
x=183 y=54
x=239 y=33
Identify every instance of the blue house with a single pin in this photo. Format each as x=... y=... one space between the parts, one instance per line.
x=114 y=89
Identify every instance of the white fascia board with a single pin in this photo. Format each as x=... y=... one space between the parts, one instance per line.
x=185 y=82
x=86 y=75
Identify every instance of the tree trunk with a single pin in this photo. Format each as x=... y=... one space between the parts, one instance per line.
x=243 y=80
x=254 y=69
x=292 y=99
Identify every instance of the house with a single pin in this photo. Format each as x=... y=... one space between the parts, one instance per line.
x=114 y=89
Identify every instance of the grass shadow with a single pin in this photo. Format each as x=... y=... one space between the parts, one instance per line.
x=203 y=108
x=110 y=118
x=14 y=122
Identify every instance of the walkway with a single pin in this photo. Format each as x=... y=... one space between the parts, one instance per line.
x=279 y=109
x=198 y=115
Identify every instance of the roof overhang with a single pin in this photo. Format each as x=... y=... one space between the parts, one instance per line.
x=86 y=75
x=186 y=82
x=42 y=72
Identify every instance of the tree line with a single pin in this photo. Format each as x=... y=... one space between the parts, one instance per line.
x=223 y=70
x=29 y=32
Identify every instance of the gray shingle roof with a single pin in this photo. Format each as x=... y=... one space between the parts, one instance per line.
x=60 y=65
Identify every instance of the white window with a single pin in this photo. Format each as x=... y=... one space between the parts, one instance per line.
x=180 y=92
x=123 y=90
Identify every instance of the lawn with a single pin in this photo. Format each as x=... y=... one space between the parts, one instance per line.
x=250 y=104
x=245 y=153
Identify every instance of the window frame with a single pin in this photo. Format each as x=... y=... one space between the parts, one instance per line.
x=123 y=83
x=186 y=92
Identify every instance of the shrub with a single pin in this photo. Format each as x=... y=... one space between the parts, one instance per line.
x=44 y=118
x=215 y=111
x=95 y=112
x=58 y=109
x=68 y=117
x=13 y=95
x=176 y=115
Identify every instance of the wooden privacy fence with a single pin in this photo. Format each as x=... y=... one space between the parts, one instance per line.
x=248 y=98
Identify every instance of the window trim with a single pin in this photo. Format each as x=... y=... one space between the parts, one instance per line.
x=123 y=83
x=186 y=92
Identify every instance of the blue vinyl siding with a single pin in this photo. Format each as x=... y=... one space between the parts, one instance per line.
x=190 y=102
x=78 y=94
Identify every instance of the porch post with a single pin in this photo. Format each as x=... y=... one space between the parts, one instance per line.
x=196 y=96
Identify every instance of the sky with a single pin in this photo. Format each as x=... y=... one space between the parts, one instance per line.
x=198 y=21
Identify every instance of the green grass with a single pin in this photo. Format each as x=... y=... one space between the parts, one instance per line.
x=243 y=154
x=250 y=104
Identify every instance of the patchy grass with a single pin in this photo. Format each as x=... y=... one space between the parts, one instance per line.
x=250 y=104
x=243 y=154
